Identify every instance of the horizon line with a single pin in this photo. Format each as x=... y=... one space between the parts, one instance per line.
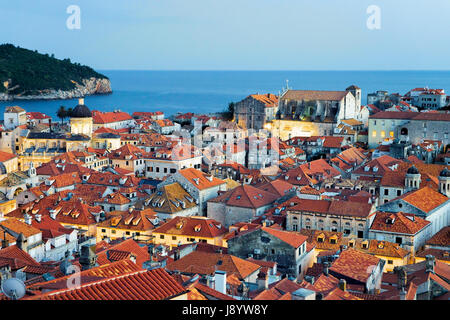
x=283 y=70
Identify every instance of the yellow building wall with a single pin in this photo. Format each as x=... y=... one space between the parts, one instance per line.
x=114 y=233
x=81 y=126
x=7 y=206
x=182 y=239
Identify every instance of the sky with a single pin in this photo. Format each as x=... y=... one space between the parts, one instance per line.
x=235 y=34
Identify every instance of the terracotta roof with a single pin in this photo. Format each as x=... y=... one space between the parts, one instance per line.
x=139 y=220
x=19 y=227
x=246 y=196
x=5 y=156
x=109 y=117
x=398 y=223
x=199 y=179
x=277 y=187
x=294 y=239
x=192 y=226
x=207 y=263
x=17 y=257
x=338 y=294
x=425 y=199
x=354 y=264
x=170 y=199
x=442 y=238
x=309 y=95
x=154 y=284
x=269 y=100
x=128 y=245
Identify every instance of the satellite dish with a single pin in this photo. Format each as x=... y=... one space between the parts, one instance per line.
x=13 y=288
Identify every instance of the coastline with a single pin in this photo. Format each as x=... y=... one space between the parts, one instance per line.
x=89 y=87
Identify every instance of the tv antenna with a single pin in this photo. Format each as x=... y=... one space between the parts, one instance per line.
x=13 y=288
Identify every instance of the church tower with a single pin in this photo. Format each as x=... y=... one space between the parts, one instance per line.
x=412 y=179
x=444 y=182
x=81 y=120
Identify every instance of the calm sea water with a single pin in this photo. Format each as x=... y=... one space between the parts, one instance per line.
x=211 y=91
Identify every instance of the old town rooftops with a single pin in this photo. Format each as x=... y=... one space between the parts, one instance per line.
x=154 y=284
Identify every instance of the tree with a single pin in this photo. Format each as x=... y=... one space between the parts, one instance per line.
x=229 y=113
x=62 y=113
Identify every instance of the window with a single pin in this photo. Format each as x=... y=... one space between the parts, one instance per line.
x=374 y=133
x=174 y=238
x=386 y=192
x=127 y=233
x=273 y=251
x=161 y=236
x=383 y=133
x=398 y=240
x=103 y=230
x=399 y=193
x=391 y=134
x=113 y=231
x=390 y=262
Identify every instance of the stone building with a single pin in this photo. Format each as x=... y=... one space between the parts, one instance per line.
x=254 y=111
x=411 y=127
x=288 y=249
x=312 y=112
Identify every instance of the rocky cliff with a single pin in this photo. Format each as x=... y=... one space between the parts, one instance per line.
x=87 y=87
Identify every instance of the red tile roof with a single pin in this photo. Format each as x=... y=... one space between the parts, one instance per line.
x=425 y=199
x=246 y=196
x=398 y=223
x=154 y=284
x=354 y=264
x=192 y=226
x=109 y=117
x=292 y=238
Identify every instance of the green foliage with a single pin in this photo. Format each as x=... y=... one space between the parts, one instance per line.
x=229 y=113
x=33 y=72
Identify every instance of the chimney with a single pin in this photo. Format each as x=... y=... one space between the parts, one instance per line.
x=343 y=285
x=326 y=266
x=430 y=263
x=27 y=218
x=22 y=242
x=263 y=281
x=221 y=281
x=402 y=277
x=309 y=279
x=88 y=258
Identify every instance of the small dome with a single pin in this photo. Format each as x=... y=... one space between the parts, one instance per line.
x=81 y=111
x=445 y=173
x=412 y=170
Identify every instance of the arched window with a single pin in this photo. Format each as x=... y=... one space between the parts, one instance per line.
x=404 y=132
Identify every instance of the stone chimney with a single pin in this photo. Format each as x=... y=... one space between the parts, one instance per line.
x=88 y=258
x=27 y=218
x=263 y=281
x=430 y=263
x=343 y=285
x=326 y=266
x=402 y=277
x=221 y=281
x=22 y=242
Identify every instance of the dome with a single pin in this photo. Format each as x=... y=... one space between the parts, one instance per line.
x=81 y=111
x=445 y=173
x=412 y=170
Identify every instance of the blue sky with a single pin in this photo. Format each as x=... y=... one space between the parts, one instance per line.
x=235 y=35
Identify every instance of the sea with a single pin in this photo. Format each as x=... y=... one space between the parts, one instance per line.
x=212 y=91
